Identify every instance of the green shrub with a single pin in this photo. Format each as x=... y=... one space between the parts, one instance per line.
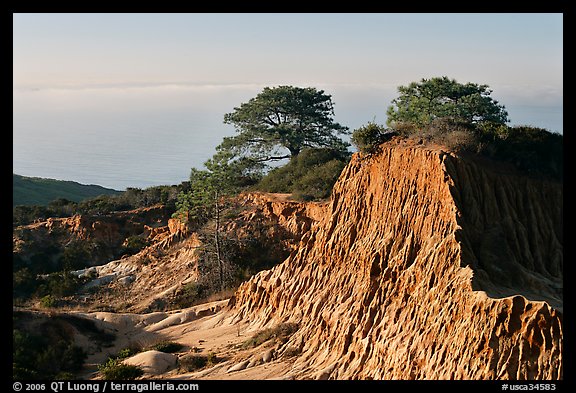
x=75 y=255
x=531 y=149
x=24 y=283
x=367 y=138
x=132 y=198
x=310 y=175
x=318 y=183
x=22 y=373
x=64 y=376
x=190 y=294
x=195 y=362
x=59 y=284
x=115 y=370
x=48 y=301
x=167 y=346
x=43 y=355
x=291 y=352
x=126 y=353
x=454 y=135
x=212 y=358
x=134 y=244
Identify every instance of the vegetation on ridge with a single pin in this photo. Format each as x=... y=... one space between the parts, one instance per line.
x=132 y=198
x=308 y=176
x=463 y=118
x=419 y=104
x=40 y=191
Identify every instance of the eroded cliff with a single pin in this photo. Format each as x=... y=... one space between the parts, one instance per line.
x=102 y=236
x=424 y=266
x=164 y=274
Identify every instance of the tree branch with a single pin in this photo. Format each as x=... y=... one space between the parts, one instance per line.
x=270 y=122
x=272 y=158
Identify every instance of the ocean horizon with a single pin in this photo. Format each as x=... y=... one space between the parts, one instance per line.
x=143 y=136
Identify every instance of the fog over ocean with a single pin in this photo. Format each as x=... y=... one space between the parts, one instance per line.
x=141 y=136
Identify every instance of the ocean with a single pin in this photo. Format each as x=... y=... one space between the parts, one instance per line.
x=142 y=136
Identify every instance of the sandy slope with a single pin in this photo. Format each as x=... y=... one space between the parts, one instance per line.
x=203 y=329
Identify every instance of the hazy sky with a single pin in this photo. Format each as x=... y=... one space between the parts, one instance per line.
x=516 y=51
x=166 y=80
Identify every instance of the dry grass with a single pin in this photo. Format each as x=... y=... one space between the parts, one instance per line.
x=196 y=362
x=279 y=333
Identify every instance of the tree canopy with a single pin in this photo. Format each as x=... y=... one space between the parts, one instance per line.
x=281 y=121
x=421 y=103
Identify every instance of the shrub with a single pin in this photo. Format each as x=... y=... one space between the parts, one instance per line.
x=126 y=353
x=48 y=301
x=116 y=370
x=64 y=376
x=134 y=244
x=190 y=294
x=452 y=134
x=195 y=362
x=318 y=183
x=212 y=358
x=43 y=355
x=75 y=255
x=22 y=373
x=59 y=284
x=367 y=138
x=291 y=352
x=132 y=198
x=72 y=358
x=531 y=149
x=279 y=333
x=310 y=175
x=167 y=346
x=23 y=283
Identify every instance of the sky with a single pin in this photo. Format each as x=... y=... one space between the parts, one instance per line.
x=203 y=65
x=77 y=50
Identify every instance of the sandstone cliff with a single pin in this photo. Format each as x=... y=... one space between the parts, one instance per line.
x=103 y=236
x=424 y=266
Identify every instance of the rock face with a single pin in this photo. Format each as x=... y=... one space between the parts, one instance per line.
x=424 y=266
x=103 y=236
x=294 y=218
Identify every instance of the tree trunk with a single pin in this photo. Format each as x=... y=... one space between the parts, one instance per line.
x=294 y=151
x=217 y=241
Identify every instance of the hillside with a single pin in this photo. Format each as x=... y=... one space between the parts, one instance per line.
x=40 y=191
x=167 y=261
x=423 y=265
